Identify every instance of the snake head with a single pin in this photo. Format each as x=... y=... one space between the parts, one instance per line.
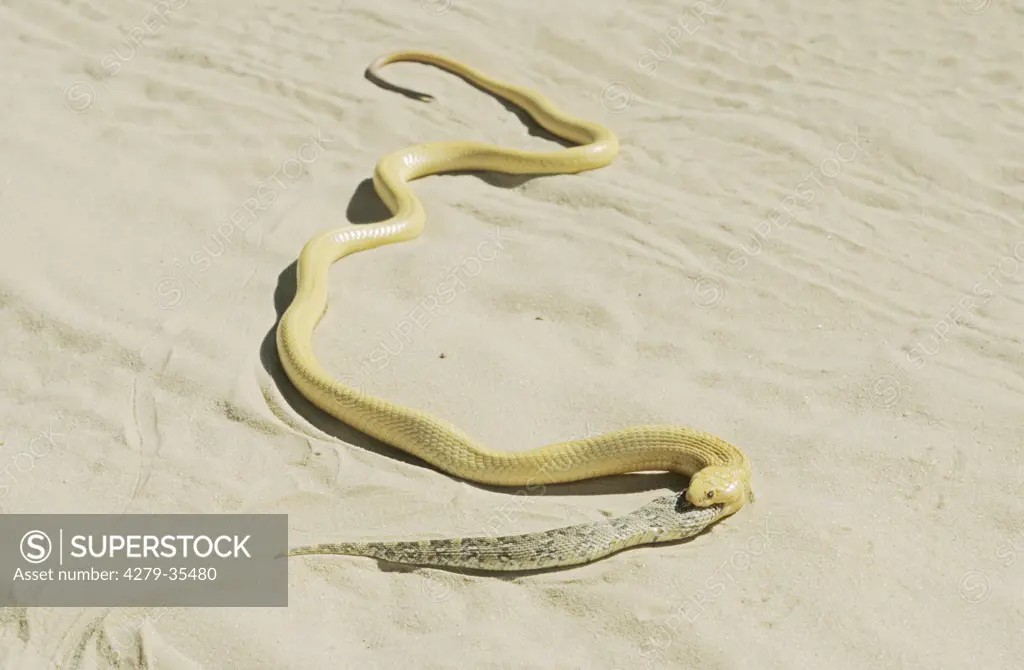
x=718 y=485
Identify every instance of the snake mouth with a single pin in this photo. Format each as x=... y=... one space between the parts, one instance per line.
x=682 y=504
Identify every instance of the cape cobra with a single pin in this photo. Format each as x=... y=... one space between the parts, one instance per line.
x=719 y=472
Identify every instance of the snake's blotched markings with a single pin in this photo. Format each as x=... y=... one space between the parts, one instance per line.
x=719 y=472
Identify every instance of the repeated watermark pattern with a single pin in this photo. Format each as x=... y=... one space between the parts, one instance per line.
x=428 y=308
x=170 y=291
x=887 y=390
x=80 y=96
x=708 y=291
x=974 y=6
x=975 y=586
x=617 y=96
x=661 y=635
x=16 y=465
x=437 y=7
x=438 y=585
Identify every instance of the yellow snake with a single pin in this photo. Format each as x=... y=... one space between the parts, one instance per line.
x=719 y=472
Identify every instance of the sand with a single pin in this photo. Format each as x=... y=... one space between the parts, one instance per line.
x=810 y=245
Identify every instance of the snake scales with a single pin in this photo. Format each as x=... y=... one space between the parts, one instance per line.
x=719 y=472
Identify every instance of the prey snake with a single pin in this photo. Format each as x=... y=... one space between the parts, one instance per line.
x=719 y=472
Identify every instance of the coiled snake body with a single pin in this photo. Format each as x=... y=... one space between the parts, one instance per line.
x=719 y=472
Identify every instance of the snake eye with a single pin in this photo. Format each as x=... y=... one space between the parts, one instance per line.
x=711 y=494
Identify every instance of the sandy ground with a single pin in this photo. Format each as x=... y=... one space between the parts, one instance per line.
x=810 y=245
